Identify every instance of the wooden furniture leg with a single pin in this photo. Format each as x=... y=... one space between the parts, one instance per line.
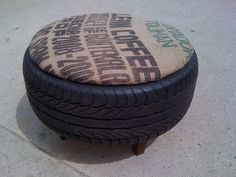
x=139 y=148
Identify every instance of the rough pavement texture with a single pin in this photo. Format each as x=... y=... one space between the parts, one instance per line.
x=202 y=144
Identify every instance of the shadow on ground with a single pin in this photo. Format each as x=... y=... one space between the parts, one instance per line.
x=70 y=150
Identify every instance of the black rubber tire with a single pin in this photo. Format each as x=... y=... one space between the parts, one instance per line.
x=110 y=114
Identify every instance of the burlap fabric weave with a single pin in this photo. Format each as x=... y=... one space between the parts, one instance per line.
x=110 y=49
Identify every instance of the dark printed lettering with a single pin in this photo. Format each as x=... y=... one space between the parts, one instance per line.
x=147 y=73
x=75 y=25
x=43 y=32
x=49 y=69
x=115 y=78
x=141 y=61
x=107 y=59
x=137 y=50
x=39 y=50
x=120 y=20
x=64 y=45
x=76 y=69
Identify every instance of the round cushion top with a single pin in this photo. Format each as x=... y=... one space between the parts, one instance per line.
x=109 y=49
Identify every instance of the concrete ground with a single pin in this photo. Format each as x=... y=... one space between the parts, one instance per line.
x=202 y=144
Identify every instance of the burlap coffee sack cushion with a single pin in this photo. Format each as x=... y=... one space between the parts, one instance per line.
x=110 y=49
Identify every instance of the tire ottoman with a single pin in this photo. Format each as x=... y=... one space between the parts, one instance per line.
x=110 y=78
